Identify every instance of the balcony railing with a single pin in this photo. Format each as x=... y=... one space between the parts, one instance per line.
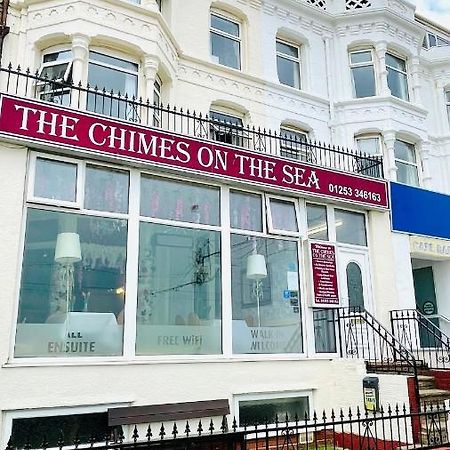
x=179 y=120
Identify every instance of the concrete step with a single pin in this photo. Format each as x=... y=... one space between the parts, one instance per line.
x=425 y=394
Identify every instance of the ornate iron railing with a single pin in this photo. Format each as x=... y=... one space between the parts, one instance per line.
x=423 y=338
x=138 y=110
x=386 y=429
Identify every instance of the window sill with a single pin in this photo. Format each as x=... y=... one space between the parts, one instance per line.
x=144 y=360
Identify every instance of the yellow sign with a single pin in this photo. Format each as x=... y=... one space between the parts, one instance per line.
x=429 y=248
x=370 y=399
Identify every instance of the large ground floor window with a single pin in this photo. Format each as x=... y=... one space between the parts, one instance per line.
x=121 y=262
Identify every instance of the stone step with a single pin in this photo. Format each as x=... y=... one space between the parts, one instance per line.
x=434 y=393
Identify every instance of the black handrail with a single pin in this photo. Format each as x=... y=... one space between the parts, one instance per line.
x=357 y=334
x=422 y=337
x=184 y=121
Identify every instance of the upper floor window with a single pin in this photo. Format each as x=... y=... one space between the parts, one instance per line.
x=114 y=78
x=447 y=102
x=288 y=64
x=370 y=145
x=57 y=67
x=226 y=128
x=433 y=40
x=397 y=77
x=406 y=163
x=157 y=86
x=225 y=41
x=293 y=144
x=363 y=75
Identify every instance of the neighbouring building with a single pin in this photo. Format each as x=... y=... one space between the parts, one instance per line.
x=185 y=232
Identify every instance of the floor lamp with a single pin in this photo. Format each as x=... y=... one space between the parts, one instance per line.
x=257 y=271
x=67 y=253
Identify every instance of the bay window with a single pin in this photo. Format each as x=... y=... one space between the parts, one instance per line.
x=225 y=35
x=397 y=77
x=406 y=163
x=363 y=74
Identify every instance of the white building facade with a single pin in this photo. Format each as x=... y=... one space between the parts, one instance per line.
x=157 y=256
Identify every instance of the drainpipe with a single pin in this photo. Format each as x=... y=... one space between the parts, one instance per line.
x=4 y=30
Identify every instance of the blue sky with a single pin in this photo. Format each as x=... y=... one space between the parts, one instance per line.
x=437 y=10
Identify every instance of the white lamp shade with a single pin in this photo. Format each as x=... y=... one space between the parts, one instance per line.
x=68 y=249
x=256 y=267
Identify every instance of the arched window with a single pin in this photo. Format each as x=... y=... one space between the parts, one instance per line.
x=293 y=144
x=354 y=286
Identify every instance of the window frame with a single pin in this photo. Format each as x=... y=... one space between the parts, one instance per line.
x=79 y=183
x=134 y=219
x=292 y=59
x=408 y=163
x=398 y=71
x=236 y=132
x=363 y=64
x=270 y=226
x=447 y=103
x=290 y=149
x=237 y=398
x=11 y=415
x=377 y=136
x=222 y=15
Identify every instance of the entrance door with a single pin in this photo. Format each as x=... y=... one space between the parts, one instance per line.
x=426 y=303
x=354 y=280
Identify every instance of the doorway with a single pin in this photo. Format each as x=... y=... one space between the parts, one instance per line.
x=426 y=304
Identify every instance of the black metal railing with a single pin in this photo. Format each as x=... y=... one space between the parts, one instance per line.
x=386 y=429
x=184 y=121
x=353 y=332
x=423 y=338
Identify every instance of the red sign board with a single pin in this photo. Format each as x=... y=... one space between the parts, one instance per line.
x=324 y=274
x=65 y=128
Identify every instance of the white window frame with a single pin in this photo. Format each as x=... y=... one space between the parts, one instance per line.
x=291 y=59
x=447 y=103
x=271 y=227
x=79 y=183
x=47 y=87
x=362 y=137
x=157 y=101
x=237 y=39
x=237 y=398
x=263 y=212
x=327 y=214
x=353 y=65
x=291 y=144
x=238 y=140
x=405 y=73
x=438 y=40
x=415 y=164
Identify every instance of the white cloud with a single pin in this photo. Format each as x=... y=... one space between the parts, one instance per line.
x=436 y=10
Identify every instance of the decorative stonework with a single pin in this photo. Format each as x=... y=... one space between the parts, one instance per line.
x=357 y=4
x=322 y=4
x=253 y=92
x=141 y=30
